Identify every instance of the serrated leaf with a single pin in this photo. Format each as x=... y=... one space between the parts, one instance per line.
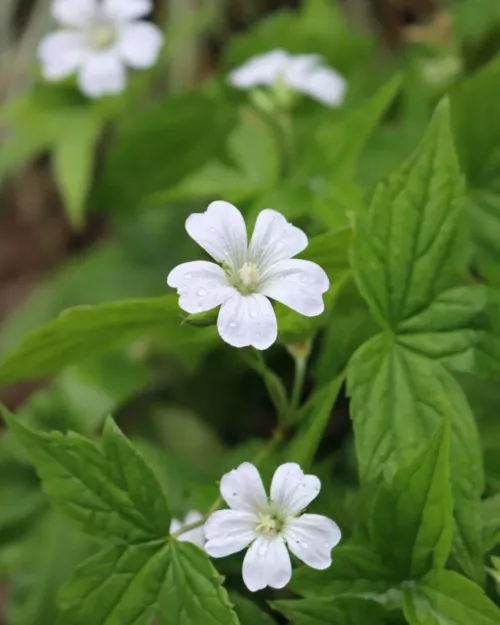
x=73 y=163
x=402 y=250
x=118 y=586
x=447 y=598
x=457 y=329
x=398 y=400
x=249 y=613
x=85 y=332
x=111 y=493
x=490 y=517
x=412 y=522
x=321 y=611
x=355 y=572
x=192 y=593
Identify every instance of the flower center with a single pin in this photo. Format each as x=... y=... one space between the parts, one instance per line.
x=102 y=35
x=269 y=524
x=249 y=277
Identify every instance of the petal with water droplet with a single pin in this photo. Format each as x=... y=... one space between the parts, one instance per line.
x=229 y=531
x=267 y=563
x=201 y=286
x=292 y=490
x=248 y=320
x=311 y=537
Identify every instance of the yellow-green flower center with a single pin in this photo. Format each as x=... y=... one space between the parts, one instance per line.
x=248 y=278
x=102 y=35
x=269 y=524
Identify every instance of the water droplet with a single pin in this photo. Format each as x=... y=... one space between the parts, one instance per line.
x=235 y=494
x=232 y=324
x=201 y=292
x=212 y=229
x=253 y=314
x=262 y=550
x=304 y=279
x=279 y=245
x=187 y=276
x=303 y=544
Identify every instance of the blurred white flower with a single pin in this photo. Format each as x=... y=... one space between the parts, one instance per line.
x=249 y=274
x=195 y=535
x=305 y=73
x=99 y=38
x=271 y=525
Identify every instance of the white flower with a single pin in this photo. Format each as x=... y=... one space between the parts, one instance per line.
x=98 y=40
x=249 y=274
x=195 y=535
x=269 y=526
x=305 y=73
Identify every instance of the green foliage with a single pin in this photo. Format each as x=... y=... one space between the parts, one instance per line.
x=412 y=522
x=447 y=597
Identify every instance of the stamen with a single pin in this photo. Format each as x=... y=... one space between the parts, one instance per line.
x=249 y=277
x=102 y=35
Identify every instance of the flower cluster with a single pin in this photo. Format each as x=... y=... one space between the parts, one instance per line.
x=269 y=527
x=303 y=73
x=98 y=40
x=248 y=274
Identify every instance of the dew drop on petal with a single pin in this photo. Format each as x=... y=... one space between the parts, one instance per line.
x=232 y=324
x=279 y=245
x=304 y=279
x=303 y=544
x=212 y=229
x=201 y=292
x=253 y=314
x=187 y=276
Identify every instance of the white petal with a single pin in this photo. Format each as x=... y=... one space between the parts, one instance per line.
x=175 y=526
x=326 y=86
x=74 y=12
x=127 y=10
x=299 y=69
x=196 y=535
x=60 y=54
x=267 y=563
x=140 y=44
x=264 y=69
x=311 y=538
x=242 y=489
x=229 y=531
x=221 y=232
x=102 y=73
x=248 y=320
x=274 y=239
x=201 y=285
x=291 y=490
x=299 y=284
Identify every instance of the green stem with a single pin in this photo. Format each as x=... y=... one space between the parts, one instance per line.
x=298 y=385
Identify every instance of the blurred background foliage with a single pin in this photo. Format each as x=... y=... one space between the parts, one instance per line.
x=93 y=200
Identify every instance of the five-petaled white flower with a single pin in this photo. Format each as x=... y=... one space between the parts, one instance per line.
x=271 y=525
x=98 y=40
x=305 y=73
x=195 y=535
x=249 y=274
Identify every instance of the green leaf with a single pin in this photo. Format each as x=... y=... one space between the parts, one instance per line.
x=110 y=492
x=156 y=147
x=304 y=445
x=402 y=251
x=192 y=592
x=399 y=398
x=321 y=611
x=457 y=329
x=412 y=522
x=477 y=131
x=355 y=572
x=73 y=163
x=253 y=149
x=273 y=382
x=86 y=332
x=118 y=586
x=490 y=516
x=447 y=598
x=341 y=143
x=249 y=612
x=131 y=584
